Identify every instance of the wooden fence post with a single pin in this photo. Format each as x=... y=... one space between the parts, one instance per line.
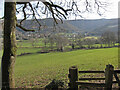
x=73 y=77
x=109 y=76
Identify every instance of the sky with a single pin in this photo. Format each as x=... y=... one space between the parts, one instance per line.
x=112 y=11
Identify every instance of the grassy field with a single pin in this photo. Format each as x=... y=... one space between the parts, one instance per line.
x=27 y=50
x=28 y=43
x=37 y=70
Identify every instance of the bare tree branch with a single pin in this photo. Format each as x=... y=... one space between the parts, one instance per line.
x=25 y=5
x=58 y=11
x=24 y=29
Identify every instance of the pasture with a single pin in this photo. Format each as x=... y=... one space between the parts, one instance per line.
x=37 y=70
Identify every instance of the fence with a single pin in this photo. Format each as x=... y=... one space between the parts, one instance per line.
x=109 y=72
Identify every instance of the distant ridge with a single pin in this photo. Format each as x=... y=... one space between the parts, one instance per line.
x=48 y=26
x=97 y=26
x=92 y=27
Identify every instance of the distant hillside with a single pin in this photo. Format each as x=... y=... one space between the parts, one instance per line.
x=111 y=26
x=96 y=27
x=92 y=27
x=47 y=25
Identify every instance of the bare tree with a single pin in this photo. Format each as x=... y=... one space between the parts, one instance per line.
x=45 y=41
x=89 y=42
x=79 y=40
x=61 y=41
x=108 y=38
x=73 y=41
x=51 y=40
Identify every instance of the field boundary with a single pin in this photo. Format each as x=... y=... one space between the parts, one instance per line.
x=109 y=72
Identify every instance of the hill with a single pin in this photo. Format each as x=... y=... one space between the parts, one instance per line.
x=48 y=25
x=92 y=27
x=111 y=26
x=96 y=27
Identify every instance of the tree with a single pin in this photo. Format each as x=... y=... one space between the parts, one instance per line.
x=51 y=41
x=45 y=41
x=9 y=54
x=89 y=42
x=109 y=38
x=79 y=40
x=61 y=41
x=73 y=41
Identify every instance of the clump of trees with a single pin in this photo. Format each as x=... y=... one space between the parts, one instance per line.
x=57 y=41
x=89 y=42
x=61 y=42
x=108 y=38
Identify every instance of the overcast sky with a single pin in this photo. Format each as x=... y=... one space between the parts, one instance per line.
x=112 y=11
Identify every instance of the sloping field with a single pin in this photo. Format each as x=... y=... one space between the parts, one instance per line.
x=37 y=70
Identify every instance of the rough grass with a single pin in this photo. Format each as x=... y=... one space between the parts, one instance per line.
x=37 y=70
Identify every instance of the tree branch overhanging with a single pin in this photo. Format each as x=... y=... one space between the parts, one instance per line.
x=49 y=5
x=58 y=11
x=24 y=29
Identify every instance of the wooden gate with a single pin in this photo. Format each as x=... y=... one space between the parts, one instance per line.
x=109 y=72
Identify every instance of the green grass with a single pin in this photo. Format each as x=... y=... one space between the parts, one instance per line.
x=37 y=70
x=28 y=43
x=27 y=50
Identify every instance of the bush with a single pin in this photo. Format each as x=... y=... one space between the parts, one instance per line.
x=54 y=85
